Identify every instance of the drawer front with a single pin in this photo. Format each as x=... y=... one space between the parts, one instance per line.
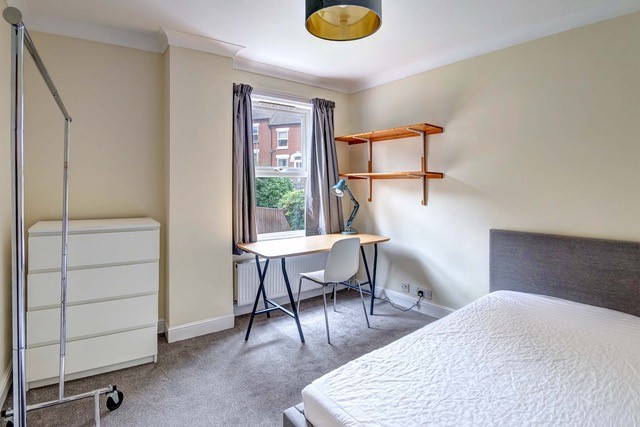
x=43 y=289
x=92 y=353
x=94 y=249
x=85 y=320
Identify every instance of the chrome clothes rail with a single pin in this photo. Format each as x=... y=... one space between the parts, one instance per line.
x=20 y=39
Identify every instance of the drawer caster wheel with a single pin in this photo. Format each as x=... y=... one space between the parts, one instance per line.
x=114 y=400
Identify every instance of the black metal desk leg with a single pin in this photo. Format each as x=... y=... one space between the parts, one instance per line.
x=366 y=269
x=260 y=292
x=375 y=271
x=264 y=291
x=293 y=304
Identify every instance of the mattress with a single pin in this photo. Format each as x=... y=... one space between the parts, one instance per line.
x=509 y=358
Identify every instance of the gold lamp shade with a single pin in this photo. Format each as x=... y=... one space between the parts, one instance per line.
x=343 y=20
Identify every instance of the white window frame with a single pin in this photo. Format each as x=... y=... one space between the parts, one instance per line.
x=256 y=132
x=256 y=156
x=278 y=146
x=283 y=103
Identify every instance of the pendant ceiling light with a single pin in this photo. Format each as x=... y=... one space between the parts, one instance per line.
x=343 y=20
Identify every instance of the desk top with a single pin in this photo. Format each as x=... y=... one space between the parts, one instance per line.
x=304 y=245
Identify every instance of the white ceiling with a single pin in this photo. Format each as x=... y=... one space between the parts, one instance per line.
x=416 y=35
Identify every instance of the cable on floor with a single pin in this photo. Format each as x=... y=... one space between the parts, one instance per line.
x=397 y=307
x=415 y=304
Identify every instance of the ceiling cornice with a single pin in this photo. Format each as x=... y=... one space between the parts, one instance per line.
x=80 y=30
x=293 y=76
x=203 y=44
x=148 y=42
x=158 y=42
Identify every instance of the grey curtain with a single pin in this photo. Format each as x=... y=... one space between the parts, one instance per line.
x=244 y=196
x=324 y=210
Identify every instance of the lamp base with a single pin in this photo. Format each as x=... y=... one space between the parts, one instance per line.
x=350 y=231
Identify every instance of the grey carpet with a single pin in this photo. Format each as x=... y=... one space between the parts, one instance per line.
x=221 y=380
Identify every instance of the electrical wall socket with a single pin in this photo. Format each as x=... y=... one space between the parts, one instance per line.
x=415 y=290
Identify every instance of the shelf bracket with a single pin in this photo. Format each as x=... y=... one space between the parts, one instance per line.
x=423 y=166
x=423 y=161
x=416 y=131
x=361 y=139
x=369 y=167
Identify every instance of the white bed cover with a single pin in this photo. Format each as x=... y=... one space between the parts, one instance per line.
x=509 y=358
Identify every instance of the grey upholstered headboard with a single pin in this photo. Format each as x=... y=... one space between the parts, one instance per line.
x=604 y=273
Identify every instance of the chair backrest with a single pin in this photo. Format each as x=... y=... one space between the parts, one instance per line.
x=343 y=261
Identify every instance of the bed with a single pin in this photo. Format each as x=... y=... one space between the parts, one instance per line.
x=554 y=343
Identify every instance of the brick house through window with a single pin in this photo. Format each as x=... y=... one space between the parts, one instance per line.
x=277 y=134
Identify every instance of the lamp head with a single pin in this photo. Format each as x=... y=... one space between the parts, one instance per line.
x=338 y=189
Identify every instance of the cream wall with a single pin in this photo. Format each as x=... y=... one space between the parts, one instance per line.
x=542 y=137
x=200 y=275
x=5 y=198
x=114 y=95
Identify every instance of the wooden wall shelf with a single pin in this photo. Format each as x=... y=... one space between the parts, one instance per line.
x=393 y=175
x=408 y=131
x=419 y=129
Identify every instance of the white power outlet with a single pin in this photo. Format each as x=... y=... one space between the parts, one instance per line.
x=405 y=287
x=418 y=291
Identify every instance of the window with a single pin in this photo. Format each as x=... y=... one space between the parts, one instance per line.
x=256 y=131
x=282 y=161
x=281 y=178
x=283 y=138
x=256 y=156
x=296 y=159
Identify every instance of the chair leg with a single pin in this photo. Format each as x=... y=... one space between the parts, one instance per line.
x=335 y=296
x=364 y=306
x=299 y=288
x=326 y=318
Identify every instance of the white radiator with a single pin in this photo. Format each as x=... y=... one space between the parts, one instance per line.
x=246 y=277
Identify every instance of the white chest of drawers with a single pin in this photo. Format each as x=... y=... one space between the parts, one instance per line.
x=112 y=297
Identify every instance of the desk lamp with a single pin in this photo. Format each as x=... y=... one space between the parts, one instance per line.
x=338 y=190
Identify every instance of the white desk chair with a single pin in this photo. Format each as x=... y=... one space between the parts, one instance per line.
x=342 y=265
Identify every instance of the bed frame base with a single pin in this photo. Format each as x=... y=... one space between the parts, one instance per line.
x=294 y=417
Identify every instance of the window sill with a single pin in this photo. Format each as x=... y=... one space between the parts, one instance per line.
x=282 y=235
x=282 y=148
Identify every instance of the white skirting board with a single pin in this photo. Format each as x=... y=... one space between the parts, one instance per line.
x=162 y=328
x=5 y=382
x=92 y=372
x=398 y=298
x=201 y=327
x=407 y=300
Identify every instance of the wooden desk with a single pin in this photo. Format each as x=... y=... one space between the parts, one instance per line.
x=283 y=248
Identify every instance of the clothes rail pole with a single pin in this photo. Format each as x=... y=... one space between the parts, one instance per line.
x=63 y=261
x=20 y=39
x=17 y=226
